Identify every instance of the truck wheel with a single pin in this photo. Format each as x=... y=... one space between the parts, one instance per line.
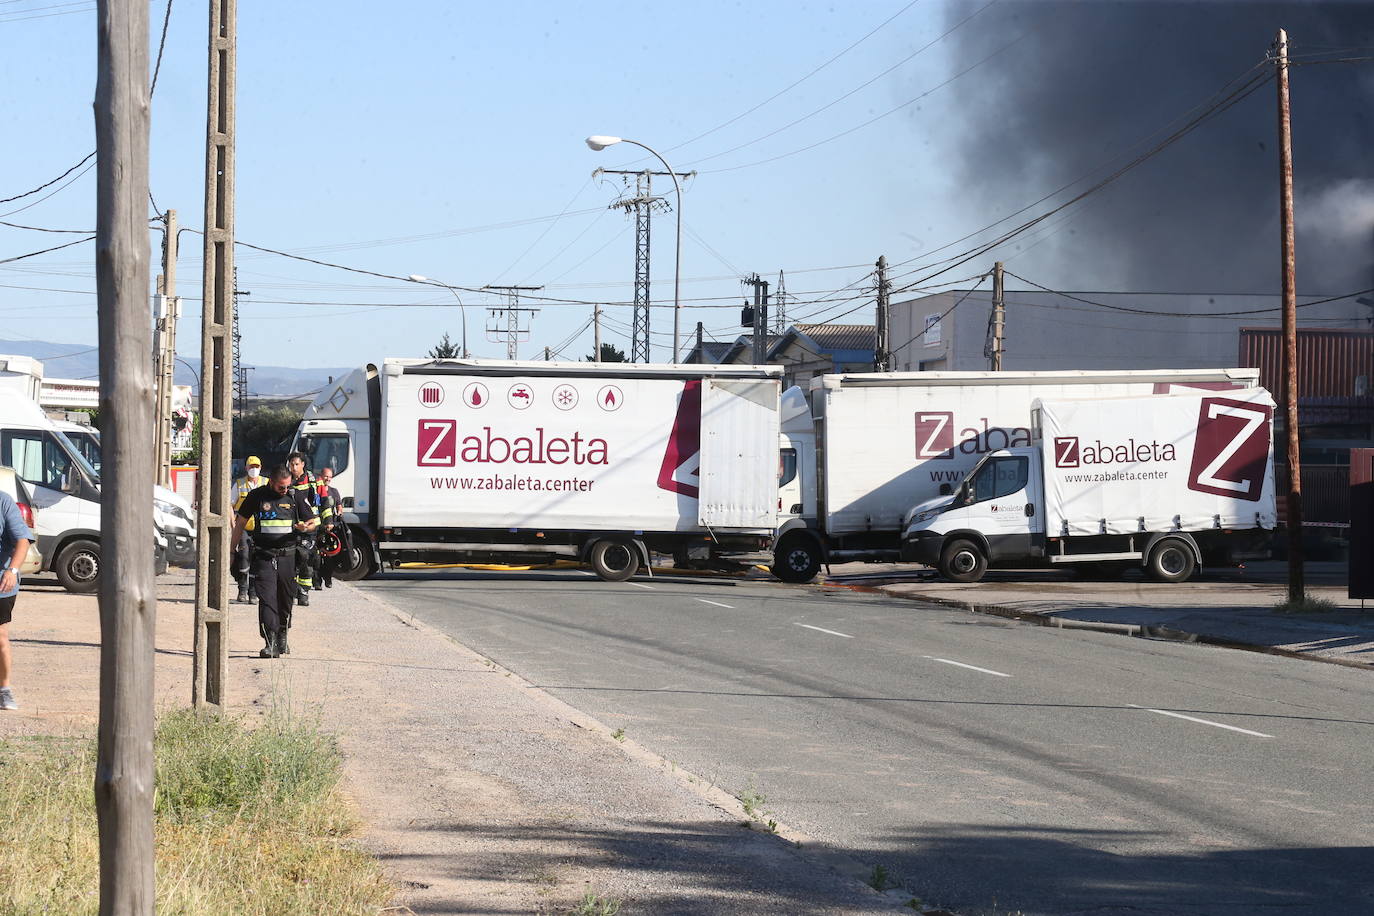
x=797 y=559
x=356 y=563
x=615 y=560
x=78 y=567
x=962 y=561
x=1171 y=560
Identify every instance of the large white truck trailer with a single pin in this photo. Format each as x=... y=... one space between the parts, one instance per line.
x=865 y=448
x=1164 y=484
x=493 y=461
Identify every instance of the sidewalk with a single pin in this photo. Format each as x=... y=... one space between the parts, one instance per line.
x=481 y=793
x=1229 y=607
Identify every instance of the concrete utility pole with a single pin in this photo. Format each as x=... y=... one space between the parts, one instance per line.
x=999 y=317
x=882 y=356
x=216 y=515
x=596 y=333
x=760 y=318
x=512 y=332
x=701 y=353
x=168 y=311
x=1296 y=585
x=128 y=597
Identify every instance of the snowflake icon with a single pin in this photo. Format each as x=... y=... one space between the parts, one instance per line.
x=565 y=397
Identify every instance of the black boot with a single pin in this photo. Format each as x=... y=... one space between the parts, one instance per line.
x=243 y=595
x=282 y=647
x=270 y=650
x=303 y=598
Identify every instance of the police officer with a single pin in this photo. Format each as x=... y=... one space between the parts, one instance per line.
x=330 y=506
x=242 y=568
x=302 y=482
x=281 y=516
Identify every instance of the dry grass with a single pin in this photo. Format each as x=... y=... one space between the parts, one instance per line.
x=248 y=822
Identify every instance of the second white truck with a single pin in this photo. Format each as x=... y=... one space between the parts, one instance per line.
x=1164 y=484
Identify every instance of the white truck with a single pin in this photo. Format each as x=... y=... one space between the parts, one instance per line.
x=494 y=461
x=866 y=448
x=1166 y=484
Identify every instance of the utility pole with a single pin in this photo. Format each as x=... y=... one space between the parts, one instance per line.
x=215 y=517
x=512 y=332
x=760 y=318
x=1296 y=586
x=128 y=596
x=547 y=358
x=999 y=317
x=168 y=311
x=701 y=354
x=596 y=333
x=882 y=359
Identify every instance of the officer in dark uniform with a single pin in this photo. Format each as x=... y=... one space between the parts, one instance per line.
x=281 y=515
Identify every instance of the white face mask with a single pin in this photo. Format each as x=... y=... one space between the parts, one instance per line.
x=253 y=471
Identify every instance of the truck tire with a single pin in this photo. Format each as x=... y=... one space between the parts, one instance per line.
x=963 y=561
x=357 y=562
x=1171 y=560
x=615 y=559
x=797 y=559
x=78 y=567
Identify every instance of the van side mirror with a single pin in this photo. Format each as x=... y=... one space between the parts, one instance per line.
x=946 y=489
x=71 y=484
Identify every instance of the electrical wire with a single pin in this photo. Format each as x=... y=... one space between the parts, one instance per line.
x=1166 y=314
x=34 y=254
x=941 y=317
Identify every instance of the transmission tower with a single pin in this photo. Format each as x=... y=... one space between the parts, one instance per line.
x=780 y=307
x=240 y=374
x=512 y=333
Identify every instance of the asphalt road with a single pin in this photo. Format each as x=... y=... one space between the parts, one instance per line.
x=987 y=765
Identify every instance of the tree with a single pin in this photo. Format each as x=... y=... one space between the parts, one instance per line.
x=610 y=353
x=445 y=350
x=263 y=429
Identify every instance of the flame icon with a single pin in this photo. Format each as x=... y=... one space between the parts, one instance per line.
x=476 y=397
x=610 y=398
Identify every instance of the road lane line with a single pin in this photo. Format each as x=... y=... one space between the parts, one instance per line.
x=962 y=665
x=637 y=585
x=823 y=630
x=716 y=603
x=1179 y=715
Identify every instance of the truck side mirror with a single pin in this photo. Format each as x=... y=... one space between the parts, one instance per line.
x=946 y=489
x=1030 y=510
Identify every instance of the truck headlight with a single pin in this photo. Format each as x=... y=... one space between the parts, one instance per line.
x=171 y=509
x=925 y=516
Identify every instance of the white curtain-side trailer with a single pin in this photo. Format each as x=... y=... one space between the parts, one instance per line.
x=493 y=461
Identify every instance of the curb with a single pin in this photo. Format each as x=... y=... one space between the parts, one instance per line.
x=1144 y=631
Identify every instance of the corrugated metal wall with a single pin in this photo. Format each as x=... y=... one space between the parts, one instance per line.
x=1329 y=361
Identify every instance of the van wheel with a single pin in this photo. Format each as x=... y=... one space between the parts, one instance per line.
x=962 y=561
x=1171 y=560
x=615 y=559
x=78 y=567
x=797 y=559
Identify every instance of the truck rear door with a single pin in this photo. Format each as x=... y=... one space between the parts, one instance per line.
x=739 y=454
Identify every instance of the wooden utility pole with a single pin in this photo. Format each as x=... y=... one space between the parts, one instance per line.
x=999 y=317
x=128 y=600
x=596 y=333
x=1296 y=586
x=882 y=358
x=169 y=310
x=216 y=516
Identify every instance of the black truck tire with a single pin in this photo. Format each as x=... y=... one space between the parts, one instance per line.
x=615 y=559
x=78 y=567
x=356 y=562
x=1171 y=560
x=797 y=558
x=963 y=561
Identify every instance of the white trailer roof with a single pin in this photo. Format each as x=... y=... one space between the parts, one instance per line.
x=394 y=367
x=1028 y=377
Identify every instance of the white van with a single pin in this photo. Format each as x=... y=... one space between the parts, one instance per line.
x=173 y=515
x=66 y=492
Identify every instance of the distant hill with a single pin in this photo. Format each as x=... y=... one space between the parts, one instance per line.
x=66 y=360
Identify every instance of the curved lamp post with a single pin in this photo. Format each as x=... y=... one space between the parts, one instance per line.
x=462 y=310
x=599 y=143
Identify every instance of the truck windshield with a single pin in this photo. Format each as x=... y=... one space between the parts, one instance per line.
x=324 y=450
x=88 y=445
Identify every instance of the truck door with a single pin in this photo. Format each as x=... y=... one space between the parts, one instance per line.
x=1003 y=499
x=739 y=454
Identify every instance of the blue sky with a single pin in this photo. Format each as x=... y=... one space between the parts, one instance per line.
x=446 y=139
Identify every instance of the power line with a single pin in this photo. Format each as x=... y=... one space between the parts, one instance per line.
x=34 y=254
x=46 y=184
x=1166 y=314
x=941 y=316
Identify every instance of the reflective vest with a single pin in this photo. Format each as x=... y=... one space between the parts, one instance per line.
x=276 y=520
x=242 y=487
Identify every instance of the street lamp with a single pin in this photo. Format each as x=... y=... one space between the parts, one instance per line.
x=462 y=311
x=598 y=143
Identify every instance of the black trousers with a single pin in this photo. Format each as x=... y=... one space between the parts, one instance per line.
x=242 y=566
x=274 y=576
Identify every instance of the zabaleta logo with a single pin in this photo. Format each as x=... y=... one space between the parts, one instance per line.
x=680 y=471
x=1232 y=450
x=936 y=434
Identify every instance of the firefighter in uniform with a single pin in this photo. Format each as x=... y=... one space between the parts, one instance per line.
x=242 y=568
x=302 y=482
x=331 y=523
x=281 y=515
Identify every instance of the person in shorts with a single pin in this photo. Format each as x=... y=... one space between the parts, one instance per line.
x=15 y=537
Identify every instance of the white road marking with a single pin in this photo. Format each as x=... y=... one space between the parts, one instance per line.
x=584 y=572
x=716 y=603
x=962 y=665
x=637 y=585
x=823 y=630
x=1179 y=715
